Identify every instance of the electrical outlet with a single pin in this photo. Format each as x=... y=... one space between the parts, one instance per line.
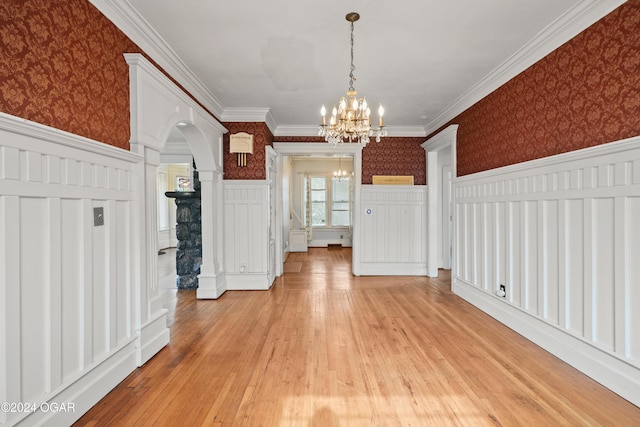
x=98 y=216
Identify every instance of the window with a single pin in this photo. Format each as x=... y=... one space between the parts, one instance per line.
x=330 y=201
x=318 y=201
x=340 y=202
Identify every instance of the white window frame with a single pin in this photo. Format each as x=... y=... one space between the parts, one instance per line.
x=328 y=200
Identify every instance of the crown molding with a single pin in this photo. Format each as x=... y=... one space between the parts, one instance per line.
x=397 y=131
x=239 y=114
x=570 y=24
x=406 y=131
x=295 y=130
x=134 y=26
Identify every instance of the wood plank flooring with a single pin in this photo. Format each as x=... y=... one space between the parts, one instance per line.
x=324 y=348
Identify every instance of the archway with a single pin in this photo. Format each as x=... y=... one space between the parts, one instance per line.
x=157 y=107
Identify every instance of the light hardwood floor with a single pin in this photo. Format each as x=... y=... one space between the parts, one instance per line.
x=324 y=348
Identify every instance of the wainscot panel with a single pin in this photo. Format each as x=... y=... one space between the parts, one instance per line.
x=560 y=235
x=66 y=277
x=246 y=242
x=394 y=230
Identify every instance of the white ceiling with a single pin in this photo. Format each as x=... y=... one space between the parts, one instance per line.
x=420 y=58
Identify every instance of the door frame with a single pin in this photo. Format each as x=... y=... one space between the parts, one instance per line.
x=444 y=140
x=323 y=148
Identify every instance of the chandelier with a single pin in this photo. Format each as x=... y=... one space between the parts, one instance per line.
x=340 y=173
x=350 y=120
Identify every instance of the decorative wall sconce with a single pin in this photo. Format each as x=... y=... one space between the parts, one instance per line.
x=242 y=144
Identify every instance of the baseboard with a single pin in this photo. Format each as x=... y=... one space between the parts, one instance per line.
x=153 y=336
x=248 y=282
x=392 y=269
x=84 y=392
x=605 y=368
x=211 y=286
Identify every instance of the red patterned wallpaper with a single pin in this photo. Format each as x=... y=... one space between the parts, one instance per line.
x=395 y=156
x=63 y=66
x=255 y=168
x=585 y=93
x=390 y=156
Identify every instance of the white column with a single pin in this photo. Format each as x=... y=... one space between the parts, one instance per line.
x=211 y=281
x=432 y=213
x=150 y=318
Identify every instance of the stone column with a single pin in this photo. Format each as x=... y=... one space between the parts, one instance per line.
x=189 y=234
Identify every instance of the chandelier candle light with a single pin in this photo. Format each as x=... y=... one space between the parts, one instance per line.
x=350 y=121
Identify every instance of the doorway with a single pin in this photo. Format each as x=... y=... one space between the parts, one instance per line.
x=441 y=171
x=290 y=181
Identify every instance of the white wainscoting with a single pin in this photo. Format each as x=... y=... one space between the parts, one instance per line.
x=67 y=333
x=394 y=230
x=562 y=234
x=246 y=243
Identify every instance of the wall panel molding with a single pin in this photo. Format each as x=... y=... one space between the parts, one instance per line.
x=394 y=230
x=66 y=285
x=560 y=234
x=246 y=239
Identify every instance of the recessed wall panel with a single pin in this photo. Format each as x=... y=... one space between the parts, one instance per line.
x=574 y=265
x=72 y=259
x=549 y=263
x=34 y=299
x=632 y=279
x=603 y=272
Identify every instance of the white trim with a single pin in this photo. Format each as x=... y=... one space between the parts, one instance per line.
x=575 y=20
x=234 y=114
x=556 y=160
x=393 y=269
x=211 y=286
x=46 y=133
x=134 y=26
x=152 y=336
x=578 y=18
x=86 y=390
x=608 y=370
x=559 y=234
x=248 y=281
x=323 y=148
x=446 y=139
x=392 y=131
x=307 y=148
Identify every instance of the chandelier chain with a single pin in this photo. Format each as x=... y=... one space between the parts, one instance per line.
x=353 y=67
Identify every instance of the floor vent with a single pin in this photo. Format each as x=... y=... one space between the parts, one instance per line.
x=334 y=245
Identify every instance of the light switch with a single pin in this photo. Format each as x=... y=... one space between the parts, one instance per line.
x=98 y=216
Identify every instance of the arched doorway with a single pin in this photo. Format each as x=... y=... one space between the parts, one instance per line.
x=157 y=107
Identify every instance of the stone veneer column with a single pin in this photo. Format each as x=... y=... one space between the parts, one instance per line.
x=189 y=234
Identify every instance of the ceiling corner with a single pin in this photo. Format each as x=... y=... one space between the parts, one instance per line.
x=134 y=26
